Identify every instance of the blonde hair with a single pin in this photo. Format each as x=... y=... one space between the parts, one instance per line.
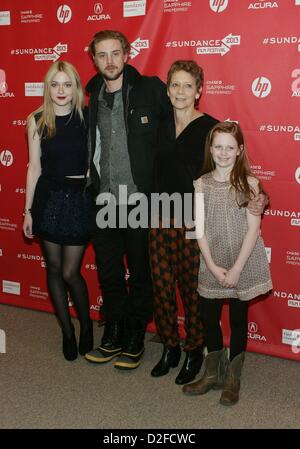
x=45 y=125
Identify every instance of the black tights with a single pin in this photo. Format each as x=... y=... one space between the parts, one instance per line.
x=63 y=275
x=238 y=314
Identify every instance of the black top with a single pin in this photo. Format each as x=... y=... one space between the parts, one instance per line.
x=109 y=97
x=66 y=153
x=179 y=160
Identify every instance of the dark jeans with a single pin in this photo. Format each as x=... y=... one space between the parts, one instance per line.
x=121 y=298
x=238 y=315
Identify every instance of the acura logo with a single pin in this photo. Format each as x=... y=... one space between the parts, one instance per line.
x=252 y=327
x=98 y=8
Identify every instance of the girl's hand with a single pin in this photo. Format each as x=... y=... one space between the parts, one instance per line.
x=231 y=278
x=27 y=226
x=219 y=273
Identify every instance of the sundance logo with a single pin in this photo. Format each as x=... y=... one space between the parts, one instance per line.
x=138 y=45
x=286 y=295
x=221 y=47
x=261 y=87
x=282 y=128
x=19 y=122
x=218 y=5
x=293 y=215
x=253 y=332
x=281 y=40
x=42 y=54
x=293 y=303
x=293 y=299
x=34 y=257
x=209 y=46
x=64 y=14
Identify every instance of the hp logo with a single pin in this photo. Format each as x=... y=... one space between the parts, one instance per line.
x=64 y=14
x=261 y=87
x=218 y=5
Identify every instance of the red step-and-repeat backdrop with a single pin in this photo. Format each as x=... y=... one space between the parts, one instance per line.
x=250 y=52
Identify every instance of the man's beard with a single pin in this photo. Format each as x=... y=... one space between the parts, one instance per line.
x=112 y=77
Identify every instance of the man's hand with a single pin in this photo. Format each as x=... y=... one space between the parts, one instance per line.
x=257 y=205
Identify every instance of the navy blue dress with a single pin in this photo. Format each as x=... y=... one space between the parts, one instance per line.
x=62 y=209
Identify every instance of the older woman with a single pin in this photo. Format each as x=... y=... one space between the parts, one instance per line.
x=174 y=257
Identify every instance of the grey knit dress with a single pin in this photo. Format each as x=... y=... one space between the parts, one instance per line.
x=225 y=229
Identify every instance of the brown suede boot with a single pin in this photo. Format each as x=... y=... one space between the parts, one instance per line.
x=213 y=377
x=230 y=393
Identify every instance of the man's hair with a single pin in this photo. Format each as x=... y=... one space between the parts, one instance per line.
x=190 y=67
x=109 y=34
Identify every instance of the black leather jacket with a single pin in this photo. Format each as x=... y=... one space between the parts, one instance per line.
x=145 y=104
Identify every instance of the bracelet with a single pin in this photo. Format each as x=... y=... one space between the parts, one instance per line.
x=26 y=211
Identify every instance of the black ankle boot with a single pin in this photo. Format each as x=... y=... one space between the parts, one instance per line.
x=169 y=359
x=86 y=340
x=191 y=366
x=70 y=347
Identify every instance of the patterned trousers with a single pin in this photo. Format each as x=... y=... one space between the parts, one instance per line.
x=175 y=262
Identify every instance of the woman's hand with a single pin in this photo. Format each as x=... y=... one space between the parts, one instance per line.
x=257 y=204
x=27 y=226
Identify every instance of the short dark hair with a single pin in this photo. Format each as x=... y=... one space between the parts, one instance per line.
x=109 y=34
x=188 y=66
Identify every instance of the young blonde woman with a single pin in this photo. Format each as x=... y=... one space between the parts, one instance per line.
x=58 y=209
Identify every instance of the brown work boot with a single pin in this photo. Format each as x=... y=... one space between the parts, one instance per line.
x=213 y=377
x=231 y=389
